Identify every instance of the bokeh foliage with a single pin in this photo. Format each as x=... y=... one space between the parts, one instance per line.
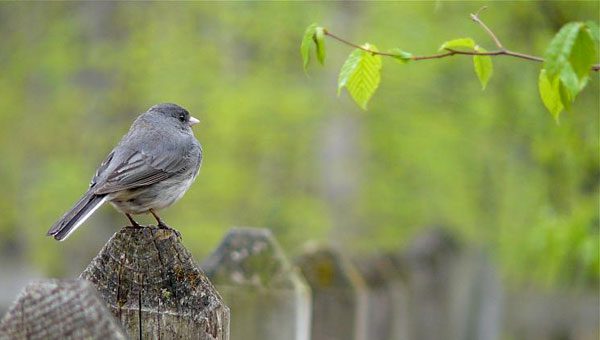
x=281 y=150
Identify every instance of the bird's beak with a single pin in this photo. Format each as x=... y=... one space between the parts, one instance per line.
x=193 y=121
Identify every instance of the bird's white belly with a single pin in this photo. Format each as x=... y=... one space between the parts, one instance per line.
x=157 y=196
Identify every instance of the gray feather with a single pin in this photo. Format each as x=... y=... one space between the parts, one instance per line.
x=148 y=158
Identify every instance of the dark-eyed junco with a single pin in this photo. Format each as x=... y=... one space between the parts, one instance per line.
x=150 y=169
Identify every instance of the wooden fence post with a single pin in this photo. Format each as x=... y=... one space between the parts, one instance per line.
x=454 y=292
x=537 y=314
x=339 y=301
x=152 y=285
x=429 y=262
x=268 y=298
x=477 y=295
x=59 y=309
x=387 y=298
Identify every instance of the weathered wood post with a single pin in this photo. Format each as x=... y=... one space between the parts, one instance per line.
x=534 y=313
x=339 y=302
x=430 y=262
x=476 y=304
x=454 y=292
x=268 y=298
x=387 y=298
x=59 y=309
x=152 y=285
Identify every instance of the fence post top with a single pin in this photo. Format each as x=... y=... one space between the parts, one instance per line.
x=324 y=266
x=154 y=261
x=377 y=270
x=46 y=309
x=251 y=257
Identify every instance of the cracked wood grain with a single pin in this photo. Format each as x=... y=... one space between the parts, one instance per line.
x=152 y=284
x=59 y=309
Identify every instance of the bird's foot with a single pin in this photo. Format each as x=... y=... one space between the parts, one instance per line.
x=136 y=226
x=162 y=225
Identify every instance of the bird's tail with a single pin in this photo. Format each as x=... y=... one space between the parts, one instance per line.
x=73 y=218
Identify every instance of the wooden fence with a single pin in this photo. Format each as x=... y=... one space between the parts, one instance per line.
x=144 y=284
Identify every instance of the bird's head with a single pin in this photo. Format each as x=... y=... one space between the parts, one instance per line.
x=175 y=114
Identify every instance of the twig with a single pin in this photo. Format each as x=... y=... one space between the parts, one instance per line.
x=436 y=56
x=450 y=52
x=326 y=32
x=499 y=52
x=475 y=17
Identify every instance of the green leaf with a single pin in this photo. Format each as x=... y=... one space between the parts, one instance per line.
x=583 y=56
x=360 y=75
x=594 y=30
x=558 y=52
x=402 y=57
x=565 y=97
x=550 y=93
x=570 y=55
x=463 y=42
x=570 y=82
x=307 y=41
x=348 y=68
x=483 y=67
x=319 y=38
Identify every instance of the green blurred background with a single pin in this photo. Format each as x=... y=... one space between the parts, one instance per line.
x=282 y=151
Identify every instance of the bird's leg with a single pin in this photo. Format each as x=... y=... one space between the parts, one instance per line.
x=134 y=224
x=163 y=225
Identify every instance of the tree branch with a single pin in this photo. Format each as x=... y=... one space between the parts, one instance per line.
x=475 y=17
x=326 y=32
x=450 y=52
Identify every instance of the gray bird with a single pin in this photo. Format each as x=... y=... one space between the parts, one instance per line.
x=151 y=168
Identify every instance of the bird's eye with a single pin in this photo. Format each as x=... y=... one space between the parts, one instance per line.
x=182 y=117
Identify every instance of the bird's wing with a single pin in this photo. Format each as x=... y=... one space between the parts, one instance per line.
x=102 y=168
x=137 y=169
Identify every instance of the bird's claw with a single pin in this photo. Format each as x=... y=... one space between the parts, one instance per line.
x=162 y=225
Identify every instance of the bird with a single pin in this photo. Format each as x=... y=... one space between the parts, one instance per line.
x=151 y=168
